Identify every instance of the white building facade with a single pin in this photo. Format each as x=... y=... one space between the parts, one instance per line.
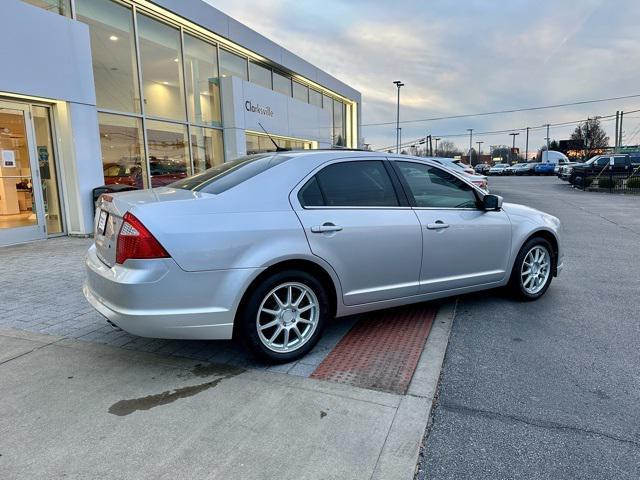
x=143 y=93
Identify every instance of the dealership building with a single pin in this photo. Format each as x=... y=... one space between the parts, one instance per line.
x=142 y=93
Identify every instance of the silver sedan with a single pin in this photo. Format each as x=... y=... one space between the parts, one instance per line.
x=270 y=247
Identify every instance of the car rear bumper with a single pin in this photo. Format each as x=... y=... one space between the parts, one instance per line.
x=156 y=298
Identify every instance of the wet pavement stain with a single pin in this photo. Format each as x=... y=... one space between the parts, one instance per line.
x=126 y=407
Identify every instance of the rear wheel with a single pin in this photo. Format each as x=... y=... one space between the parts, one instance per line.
x=284 y=317
x=533 y=269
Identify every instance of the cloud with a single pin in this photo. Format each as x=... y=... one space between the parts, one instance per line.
x=464 y=57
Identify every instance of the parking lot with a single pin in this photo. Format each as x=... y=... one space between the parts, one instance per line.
x=549 y=389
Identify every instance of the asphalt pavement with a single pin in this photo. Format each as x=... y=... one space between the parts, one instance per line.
x=549 y=389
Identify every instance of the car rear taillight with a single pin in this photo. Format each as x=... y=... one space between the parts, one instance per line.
x=135 y=241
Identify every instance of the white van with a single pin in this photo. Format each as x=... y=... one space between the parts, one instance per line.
x=553 y=157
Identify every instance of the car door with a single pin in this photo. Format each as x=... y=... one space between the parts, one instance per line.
x=356 y=218
x=463 y=244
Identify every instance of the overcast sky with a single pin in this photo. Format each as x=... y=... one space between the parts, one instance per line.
x=466 y=56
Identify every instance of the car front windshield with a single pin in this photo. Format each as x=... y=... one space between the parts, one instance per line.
x=223 y=177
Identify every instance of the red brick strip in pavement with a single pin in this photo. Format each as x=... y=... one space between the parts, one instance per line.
x=381 y=351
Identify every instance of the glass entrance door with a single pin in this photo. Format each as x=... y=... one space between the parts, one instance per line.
x=21 y=207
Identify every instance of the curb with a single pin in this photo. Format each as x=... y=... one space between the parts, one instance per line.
x=401 y=450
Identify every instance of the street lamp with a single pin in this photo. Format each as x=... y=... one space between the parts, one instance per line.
x=398 y=84
x=514 y=135
x=470 y=130
x=436 y=139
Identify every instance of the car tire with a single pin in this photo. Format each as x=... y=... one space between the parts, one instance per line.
x=519 y=283
x=260 y=309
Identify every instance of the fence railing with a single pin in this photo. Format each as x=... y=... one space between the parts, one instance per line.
x=613 y=182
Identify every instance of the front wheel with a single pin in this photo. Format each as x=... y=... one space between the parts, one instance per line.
x=533 y=270
x=284 y=317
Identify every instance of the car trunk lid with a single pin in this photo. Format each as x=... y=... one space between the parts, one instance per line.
x=110 y=210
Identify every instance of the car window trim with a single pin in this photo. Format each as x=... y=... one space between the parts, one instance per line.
x=411 y=198
x=383 y=160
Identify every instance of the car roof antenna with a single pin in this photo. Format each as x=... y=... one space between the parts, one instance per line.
x=278 y=148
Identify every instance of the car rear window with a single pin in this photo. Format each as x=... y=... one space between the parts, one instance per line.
x=230 y=174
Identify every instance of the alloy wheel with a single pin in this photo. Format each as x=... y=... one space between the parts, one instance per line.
x=535 y=270
x=287 y=317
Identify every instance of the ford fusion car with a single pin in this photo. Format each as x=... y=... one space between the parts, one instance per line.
x=270 y=247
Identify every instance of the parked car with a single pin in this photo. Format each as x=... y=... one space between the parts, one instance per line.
x=545 y=168
x=529 y=169
x=564 y=171
x=270 y=247
x=515 y=169
x=600 y=164
x=549 y=161
x=479 y=180
x=498 y=169
x=482 y=168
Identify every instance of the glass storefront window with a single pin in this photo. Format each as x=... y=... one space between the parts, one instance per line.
x=122 y=146
x=206 y=147
x=168 y=152
x=232 y=65
x=327 y=130
x=282 y=84
x=115 y=71
x=161 y=69
x=48 y=172
x=18 y=206
x=61 y=7
x=203 y=86
x=315 y=98
x=262 y=144
x=300 y=92
x=260 y=75
x=339 y=124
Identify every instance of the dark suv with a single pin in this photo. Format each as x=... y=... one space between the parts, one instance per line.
x=602 y=164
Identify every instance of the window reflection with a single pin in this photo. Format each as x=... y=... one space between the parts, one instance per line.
x=161 y=69
x=121 y=145
x=48 y=172
x=61 y=7
x=206 y=147
x=203 y=87
x=260 y=75
x=113 y=54
x=232 y=65
x=300 y=92
x=338 y=124
x=282 y=84
x=168 y=152
x=315 y=98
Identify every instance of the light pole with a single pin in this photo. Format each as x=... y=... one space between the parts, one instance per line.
x=526 y=148
x=470 y=130
x=398 y=84
x=513 y=147
x=436 y=139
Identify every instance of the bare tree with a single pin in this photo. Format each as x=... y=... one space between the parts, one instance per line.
x=448 y=149
x=592 y=137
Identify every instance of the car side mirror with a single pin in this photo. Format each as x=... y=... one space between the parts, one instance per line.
x=492 y=202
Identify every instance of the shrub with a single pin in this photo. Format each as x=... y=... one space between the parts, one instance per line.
x=633 y=182
x=607 y=182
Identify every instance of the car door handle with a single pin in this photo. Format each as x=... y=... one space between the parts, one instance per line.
x=326 y=228
x=437 y=225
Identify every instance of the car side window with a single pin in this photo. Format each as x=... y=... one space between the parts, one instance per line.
x=350 y=184
x=433 y=187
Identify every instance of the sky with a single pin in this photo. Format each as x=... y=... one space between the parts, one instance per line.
x=466 y=56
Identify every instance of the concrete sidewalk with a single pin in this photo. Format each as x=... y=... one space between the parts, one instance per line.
x=76 y=409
